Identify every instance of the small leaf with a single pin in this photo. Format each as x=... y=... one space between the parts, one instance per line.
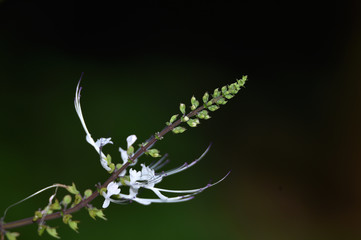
x=72 y=189
x=182 y=108
x=12 y=235
x=73 y=225
x=52 y=232
x=178 y=130
x=88 y=193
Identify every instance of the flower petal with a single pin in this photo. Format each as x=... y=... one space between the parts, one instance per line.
x=131 y=139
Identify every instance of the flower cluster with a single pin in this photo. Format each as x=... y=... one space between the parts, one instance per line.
x=146 y=177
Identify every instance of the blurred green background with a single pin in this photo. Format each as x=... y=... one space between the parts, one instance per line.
x=291 y=137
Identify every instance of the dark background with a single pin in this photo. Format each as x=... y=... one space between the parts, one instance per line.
x=291 y=137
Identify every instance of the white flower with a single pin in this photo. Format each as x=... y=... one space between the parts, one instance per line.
x=100 y=142
x=124 y=154
x=147 y=178
x=112 y=189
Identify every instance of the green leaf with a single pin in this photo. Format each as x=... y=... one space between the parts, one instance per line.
x=52 y=232
x=12 y=235
x=72 y=189
x=182 y=108
x=178 y=130
x=73 y=225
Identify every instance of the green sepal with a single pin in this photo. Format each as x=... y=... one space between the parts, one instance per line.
x=41 y=229
x=205 y=97
x=153 y=152
x=194 y=102
x=52 y=232
x=12 y=235
x=172 y=119
x=37 y=215
x=109 y=159
x=193 y=122
x=118 y=166
x=233 y=89
x=178 y=130
x=88 y=193
x=102 y=190
x=123 y=179
x=77 y=200
x=213 y=108
x=55 y=205
x=94 y=212
x=66 y=200
x=66 y=218
x=182 y=108
x=130 y=151
x=73 y=225
x=216 y=93
x=72 y=189
x=224 y=89
x=112 y=167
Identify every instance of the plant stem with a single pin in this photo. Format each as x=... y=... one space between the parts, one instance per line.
x=151 y=141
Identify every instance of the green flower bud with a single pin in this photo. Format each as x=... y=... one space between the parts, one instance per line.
x=205 y=97
x=203 y=114
x=178 y=130
x=221 y=101
x=55 y=205
x=37 y=215
x=88 y=193
x=130 y=150
x=66 y=200
x=213 y=108
x=194 y=102
x=193 y=122
x=185 y=119
x=153 y=152
x=182 y=108
x=216 y=93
